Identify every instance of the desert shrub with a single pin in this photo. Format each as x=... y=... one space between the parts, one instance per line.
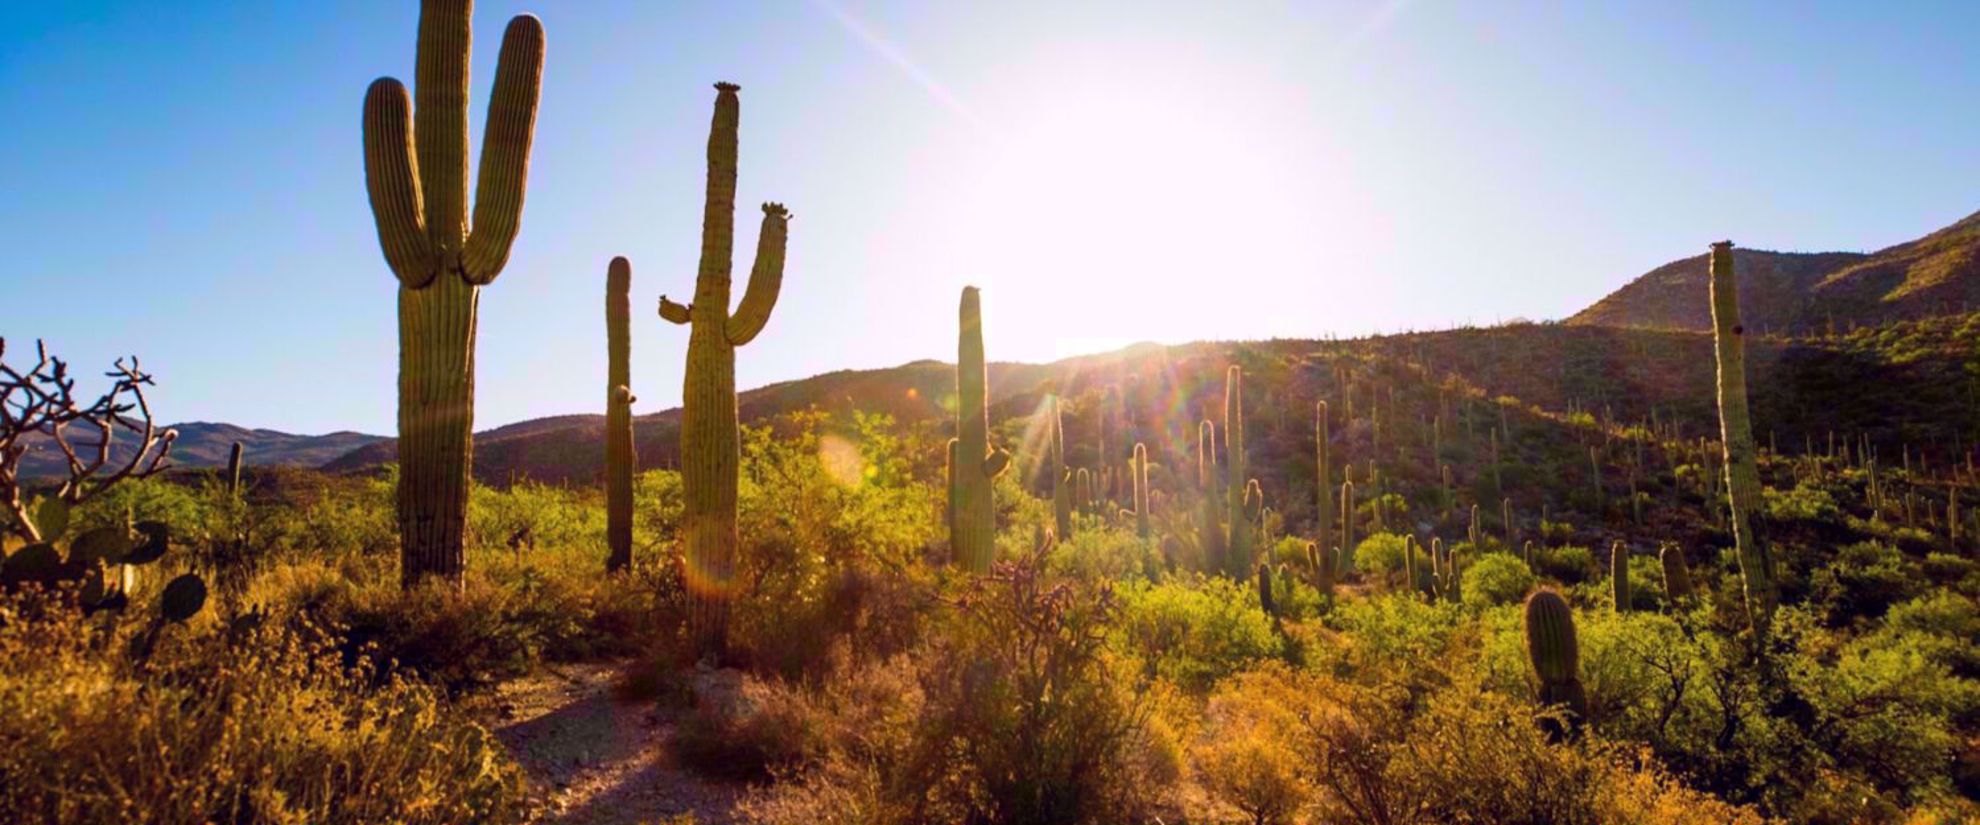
x=1884 y=709
x=1804 y=502
x=1379 y=555
x=1018 y=715
x=1102 y=552
x=1247 y=756
x=1946 y=626
x=1397 y=638
x=1193 y=630
x=1496 y=579
x=1569 y=564
x=1863 y=581
x=835 y=525
x=271 y=728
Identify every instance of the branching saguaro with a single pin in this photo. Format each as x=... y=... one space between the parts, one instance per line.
x=39 y=410
x=415 y=168
x=711 y=445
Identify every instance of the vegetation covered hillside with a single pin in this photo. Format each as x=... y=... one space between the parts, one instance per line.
x=1811 y=293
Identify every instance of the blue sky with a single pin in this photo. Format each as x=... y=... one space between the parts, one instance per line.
x=183 y=180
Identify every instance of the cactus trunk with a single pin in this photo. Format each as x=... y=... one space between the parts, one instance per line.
x=1324 y=486
x=1619 y=576
x=1736 y=432
x=1556 y=660
x=711 y=445
x=1062 y=494
x=973 y=536
x=618 y=416
x=416 y=174
x=1239 y=544
x=1139 y=470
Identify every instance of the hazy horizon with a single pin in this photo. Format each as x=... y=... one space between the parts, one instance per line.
x=1169 y=174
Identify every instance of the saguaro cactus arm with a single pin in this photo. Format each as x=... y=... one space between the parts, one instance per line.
x=391 y=177
x=675 y=313
x=766 y=278
x=511 y=127
x=996 y=462
x=440 y=89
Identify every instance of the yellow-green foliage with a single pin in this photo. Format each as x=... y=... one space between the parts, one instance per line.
x=273 y=729
x=1194 y=631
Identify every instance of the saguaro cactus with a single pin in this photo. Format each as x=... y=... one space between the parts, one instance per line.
x=1677 y=574
x=1556 y=659
x=1324 y=485
x=1210 y=530
x=618 y=415
x=1139 y=470
x=415 y=168
x=974 y=536
x=234 y=461
x=1756 y=567
x=711 y=446
x=1239 y=512
x=1619 y=576
x=1062 y=494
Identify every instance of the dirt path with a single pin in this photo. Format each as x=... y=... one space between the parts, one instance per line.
x=597 y=760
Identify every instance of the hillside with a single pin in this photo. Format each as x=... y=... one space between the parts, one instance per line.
x=205 y=444
x=1807 y=293
x=1906 y=383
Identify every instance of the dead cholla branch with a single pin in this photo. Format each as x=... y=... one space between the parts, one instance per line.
x=39 y=409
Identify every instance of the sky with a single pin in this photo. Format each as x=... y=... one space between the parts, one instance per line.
x=184 y=180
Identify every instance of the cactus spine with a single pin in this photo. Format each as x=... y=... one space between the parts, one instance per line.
x=711 y=446
x=618 y=416
x=415 y=164
x=1556 y=659
x=1736 y=432
x=974 y=535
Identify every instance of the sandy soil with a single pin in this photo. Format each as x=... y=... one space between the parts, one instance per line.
x=597 y=760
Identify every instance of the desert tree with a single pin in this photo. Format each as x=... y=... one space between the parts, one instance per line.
x=40 y=410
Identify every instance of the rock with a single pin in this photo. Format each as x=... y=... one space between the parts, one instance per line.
x=719 y=691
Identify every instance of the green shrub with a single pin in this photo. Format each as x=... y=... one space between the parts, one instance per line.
x=1496 y=579
x=1863 y=581
x=1193 y=630
x=1569 y=564
x=1380 y=555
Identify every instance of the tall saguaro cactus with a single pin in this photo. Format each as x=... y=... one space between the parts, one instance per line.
x=711 y=446
x=415 y=168
x=1324 y=485
x=973 y=535
x=618 y=415
x=1756 y=567
x=1210 y=527
x=1239 y=510
x=1062 y=494
x=1556 y=660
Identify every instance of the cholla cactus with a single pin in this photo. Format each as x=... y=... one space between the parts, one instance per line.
x=415 y=164
x=1556 y=660
x=974 y=533
x=711 y=441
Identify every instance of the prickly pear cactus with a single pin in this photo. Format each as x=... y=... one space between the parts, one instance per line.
x=974 y=534
x=619 y=399
x=711 y=443
x=416 y=164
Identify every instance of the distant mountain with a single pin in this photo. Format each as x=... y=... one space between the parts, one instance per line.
x=205 y=444
x=1793 y=292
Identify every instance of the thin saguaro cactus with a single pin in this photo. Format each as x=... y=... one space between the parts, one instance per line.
x=416 y=165
x=711 y=443
x=618 y=415
x=1756 y=567
x=973 y=534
